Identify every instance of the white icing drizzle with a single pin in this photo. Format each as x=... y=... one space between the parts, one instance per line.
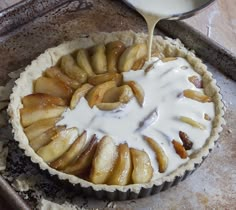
x=162 y=86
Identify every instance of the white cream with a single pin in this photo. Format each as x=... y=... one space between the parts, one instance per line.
x=163 y=86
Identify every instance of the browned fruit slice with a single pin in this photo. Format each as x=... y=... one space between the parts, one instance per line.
x=168 y=59
x=96 y=94
x=196 y=95
x=109 y=106
x=74 y=151
x=98 y=59
x=187 y=143
x=121 y=94
x=84 y=162
x=161 y=156
x=103 y=161
x=180 y=149
x=192 y=122
x=82 y=59
x=137 y=90
x=52 y=87
x=207 y=117
x=55 y=72
x=40 y=127
x=121 y=174
x=37 y=99
x=45 y=137
x=139 y=63
x=60 y=143
x=69 y=66
x=79 y=93
x=131 y=55
x=113 y=53
x=196 y=81
x=101 y=78
x=29 y=115
x=142 y=168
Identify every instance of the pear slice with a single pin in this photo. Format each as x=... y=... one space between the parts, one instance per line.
x=197 y=96
x=30 y=115
x=103 y=161
x=37 y=99
x=98 y=59
x=60 y=144
x=142 y=168
x=101 y=78
x=161 y=156
x=137 y=90
x=131 y=55
x=55 y=72
x=40 y=127
x=45 y=137
x=52 y=87
x=95 y=95
x=121 y=174
x=74 y=151
x=84 y=162
x=113 y=53
x=79 y=93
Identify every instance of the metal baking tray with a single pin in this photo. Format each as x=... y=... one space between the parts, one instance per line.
x=32 y=26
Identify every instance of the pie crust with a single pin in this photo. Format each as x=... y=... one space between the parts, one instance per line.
x=168 y=48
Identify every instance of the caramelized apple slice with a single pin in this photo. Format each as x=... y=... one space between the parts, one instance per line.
x=121 y=94
x=131 y=55
x=103 y=161
x=121 y=174
x=207 y=117
x=84 y=162
x=139 y=63
x=168 y=59
x=74 y=151
x=192 y=122
x=96 y=94
x=137 y=90
x=101 y=78
x=180 y=149
x=196 y=95
x=109 y=106
x=29 y=115
x=72 y=70
x=142 y=168
x=113 y=53
x=45 y=137
x=98 y=59
x=79 y=93
x=60 y=143
x=55 y=72
x=187 y=143
x=37 y=99
x=40 y=127
x=196 y=81
x=161 y=156
x=52 y=87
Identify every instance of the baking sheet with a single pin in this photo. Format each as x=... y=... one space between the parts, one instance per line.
x=213 y=185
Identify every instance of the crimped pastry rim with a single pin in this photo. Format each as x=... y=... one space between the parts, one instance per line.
x=168 y=47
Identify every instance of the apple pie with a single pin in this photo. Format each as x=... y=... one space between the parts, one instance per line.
x=95 y=112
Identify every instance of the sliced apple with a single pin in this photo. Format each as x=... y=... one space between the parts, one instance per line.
x=103 y=161
x=84 y=162
x=60 y=144
x=45 y=137
x=96 y=94
x=168 y=59
x=55 y=72
x=113 y=53
x=101 y=78
x=161 y=156
x=142 y=168
x=192 y=122
x=109 y=106
x=98 y=59
x=180 y=150
x=197 y=96
x=121 y=173
x=79 y=93
x=137 y=90
x=29 y=115
x=121 y=94
x=37 y=99
x=187 y=143
x=74 y=151
x=40 y=127
x=82 y=59
x=131 y=55
x=196 y=81
x=139 y=63
x=70 y=67
x=52 y=87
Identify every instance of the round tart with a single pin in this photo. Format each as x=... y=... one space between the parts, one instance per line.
x=94 y=112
